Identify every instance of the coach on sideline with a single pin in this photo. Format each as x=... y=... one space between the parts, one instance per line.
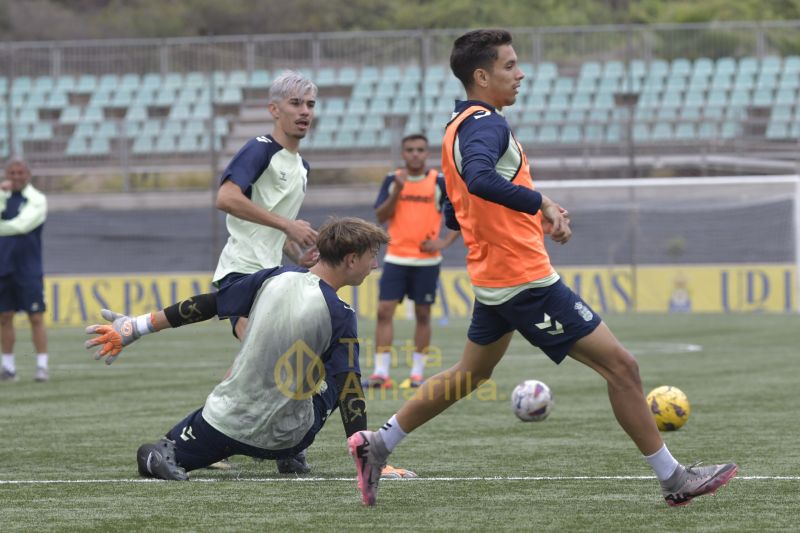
x=23 y=210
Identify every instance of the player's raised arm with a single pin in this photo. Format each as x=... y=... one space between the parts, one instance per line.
x=123 y=330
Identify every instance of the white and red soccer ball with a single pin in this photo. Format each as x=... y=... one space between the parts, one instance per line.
x=532 y=401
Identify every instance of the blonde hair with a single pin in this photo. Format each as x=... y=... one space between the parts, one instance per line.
x=291 y=83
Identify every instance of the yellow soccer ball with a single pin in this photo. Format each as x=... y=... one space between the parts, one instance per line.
x=670 y=407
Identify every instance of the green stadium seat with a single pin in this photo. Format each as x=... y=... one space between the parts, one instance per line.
x=608 y=85
x=553 y=116
x=547 y=134
x=164 y=97
x=791 y=65
x=681 y=67
x=259 y=79
x=129 y=129
x=598 y=115
x=575 y=115
x=56 y=100
x=546 y=70
x=558 y=101
x=777 y=131
x=370 y=73
x=699 y=82
x=641 y=132
x=771 y=65
x=613 y=133
x=350 y=122
x=603 y=101
x=662 y=131
x=107 y=130
x=729 y=130
x=691 y=112
x=130 y=81
x=739 y=98
x=392 y=73
x=402 y=105
x=358 y=107
x=237 y=78
x=230 y=95
x=672 y=99
x=707 y=130
x=328 y=123
x=694 y=98
x=122 y=98
x=77 y=146
x=345 y=139
x=196 y=79
x=717 y=97
x=590 y=70
x=685 y=131
x=782 y=112
x=84 y=129
x=22 y=84
x=563 y=86
x=201 y=110
x=385 y=89
x=101 y=97
x=744 y=81
x=180 y=111
x=767 y=80
x=762 y=98
x=571 y=134
x=594 y=133
x=172 y=80
x=525 y=134
x=748 y=65
x=667 y=113
x=704 y=66
x=348 y=76
x=43 y=84
x=172 y=127
x=379 y=105
x=322 y=140
x=363 y=89
x=726 y=65
x=789 y=80
x=108 y=82
x=334 y=106
x=165 y=144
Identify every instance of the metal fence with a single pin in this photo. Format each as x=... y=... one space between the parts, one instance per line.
x=326 y=57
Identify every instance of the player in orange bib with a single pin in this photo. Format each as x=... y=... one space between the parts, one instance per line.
x=410 y=202
x=503 y=220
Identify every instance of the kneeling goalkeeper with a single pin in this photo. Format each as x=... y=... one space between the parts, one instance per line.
x=299 y=359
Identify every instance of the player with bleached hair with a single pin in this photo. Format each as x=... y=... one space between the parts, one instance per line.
x=503 y=221
x=262 y=190
x=298 y=326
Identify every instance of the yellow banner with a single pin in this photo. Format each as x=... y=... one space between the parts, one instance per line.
x=77 y=300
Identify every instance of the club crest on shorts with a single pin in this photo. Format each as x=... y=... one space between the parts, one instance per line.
x=584 y=311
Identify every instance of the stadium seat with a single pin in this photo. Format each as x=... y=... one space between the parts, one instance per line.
x=345 y=139
x=748 y=65
x=777 y=130
x=237 y=78
x=685 y=131
x=322 y=140
x=771 y=65
x=791 y=65
x=726 y=65
x=707 y=130
x=571 y=134
x=680 y=67
x=594 y=133
x=130 y=81
x=259 y=79
x=762 y=98
x=392 y=73
x=704 y=66
x=402 y=105
x=547 y=134
x=782 y=112
x=590 y=70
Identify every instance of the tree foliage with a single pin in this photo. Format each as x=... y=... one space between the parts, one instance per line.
x=81 y=19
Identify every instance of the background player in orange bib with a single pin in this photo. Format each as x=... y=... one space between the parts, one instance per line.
x=410 y=203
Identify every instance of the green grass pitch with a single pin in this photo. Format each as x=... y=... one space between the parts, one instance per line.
x=67 y=447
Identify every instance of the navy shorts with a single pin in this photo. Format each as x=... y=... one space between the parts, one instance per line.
x=417 y=282
x=198 y=444
x=551 y=318
x=21 y=294
x=230 y=279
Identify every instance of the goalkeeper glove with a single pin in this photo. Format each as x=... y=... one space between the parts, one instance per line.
x=390 y=472
x=122 y=331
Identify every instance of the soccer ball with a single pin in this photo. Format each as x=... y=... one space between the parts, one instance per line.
x=532 y=401
x=670 y=407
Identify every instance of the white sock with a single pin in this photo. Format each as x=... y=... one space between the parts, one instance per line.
x=8 y=362
x=382 y=361
x=41 y=360
x=662 y=463
x=418 y=368
x=392 y=433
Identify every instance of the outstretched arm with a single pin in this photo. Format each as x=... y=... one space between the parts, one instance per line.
x=123 y=330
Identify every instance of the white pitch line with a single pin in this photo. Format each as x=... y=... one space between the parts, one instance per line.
x=349 y=479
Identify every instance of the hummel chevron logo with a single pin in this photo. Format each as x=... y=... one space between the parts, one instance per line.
x=263 y=139
x=476 y=116
x=548 y=323
x=186 y=434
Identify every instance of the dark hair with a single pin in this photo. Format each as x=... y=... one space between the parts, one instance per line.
x=341 y=236
x=476 y=49
x=413 y=137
